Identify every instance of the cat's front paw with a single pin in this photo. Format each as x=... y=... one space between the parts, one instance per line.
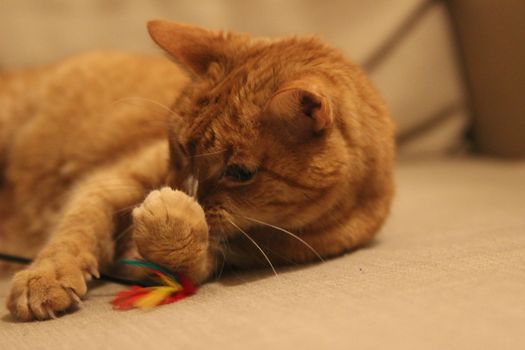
x=50 y=286
x=170 y=228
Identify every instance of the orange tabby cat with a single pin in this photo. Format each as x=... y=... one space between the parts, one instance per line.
x=283 y=144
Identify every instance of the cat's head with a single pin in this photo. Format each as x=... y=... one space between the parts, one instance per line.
x=274 y=130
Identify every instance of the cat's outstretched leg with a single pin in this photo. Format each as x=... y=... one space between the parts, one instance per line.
x=79 y=247
x=82 y=243
x=170 y=229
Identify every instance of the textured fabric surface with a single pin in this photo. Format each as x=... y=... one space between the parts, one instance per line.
x=406 y=45
x=447 y=272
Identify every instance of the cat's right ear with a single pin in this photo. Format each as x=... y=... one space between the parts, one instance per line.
x=196 y=48
x=304 y=104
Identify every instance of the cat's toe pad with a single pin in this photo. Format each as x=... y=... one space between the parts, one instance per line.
x=167 y=206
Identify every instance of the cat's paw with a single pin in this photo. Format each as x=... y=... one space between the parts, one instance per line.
x=170 y=228
x=50 y=286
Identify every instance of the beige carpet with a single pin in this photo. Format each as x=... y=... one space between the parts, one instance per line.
x=447 y=272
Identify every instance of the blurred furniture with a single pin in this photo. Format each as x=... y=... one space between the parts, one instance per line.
x=492 y=38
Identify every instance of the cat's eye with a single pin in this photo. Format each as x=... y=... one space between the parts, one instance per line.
x=238 y=173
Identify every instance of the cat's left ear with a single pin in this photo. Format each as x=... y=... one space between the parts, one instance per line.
x=305 y=101
x=194 y=47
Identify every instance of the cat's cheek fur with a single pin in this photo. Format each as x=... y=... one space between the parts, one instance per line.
x=170 y=229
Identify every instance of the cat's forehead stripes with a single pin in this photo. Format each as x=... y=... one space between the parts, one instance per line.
x=228 y=119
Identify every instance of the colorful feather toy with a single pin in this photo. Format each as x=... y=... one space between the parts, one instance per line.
x=168 y=288
x=164 y=287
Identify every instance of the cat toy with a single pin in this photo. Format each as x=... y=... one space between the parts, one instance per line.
x=163 y=287
x=146 y=295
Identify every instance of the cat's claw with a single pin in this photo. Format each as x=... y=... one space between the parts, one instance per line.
x=40 y=311
x=94 y=272
x=50 y=312
x=50 y=286
x=87 y=276
x=74 y=296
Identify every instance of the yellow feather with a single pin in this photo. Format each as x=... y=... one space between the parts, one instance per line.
x=155 y=297
x=170 y=282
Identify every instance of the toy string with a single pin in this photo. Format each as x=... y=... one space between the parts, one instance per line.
x=25 y=261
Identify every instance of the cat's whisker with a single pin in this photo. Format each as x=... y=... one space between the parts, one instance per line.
x=208 y=154
x=124 y=209
x=136 y=98
x=123 y=233
x=104 y=191
x=256 y=245
x=63 y=197
x=210 y=176
x=285 y=231
x=218 y=273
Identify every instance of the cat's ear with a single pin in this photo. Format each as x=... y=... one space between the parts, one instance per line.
x=194 y=47
x=303 y=101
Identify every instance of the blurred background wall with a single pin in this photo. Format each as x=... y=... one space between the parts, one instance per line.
x=407 y=46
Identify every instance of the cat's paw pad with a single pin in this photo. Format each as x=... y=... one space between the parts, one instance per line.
x=166 y=207
x=169 y=221
x=50 y=286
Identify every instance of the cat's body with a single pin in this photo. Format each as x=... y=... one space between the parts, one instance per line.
x=286 y=133
x=66 y=121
